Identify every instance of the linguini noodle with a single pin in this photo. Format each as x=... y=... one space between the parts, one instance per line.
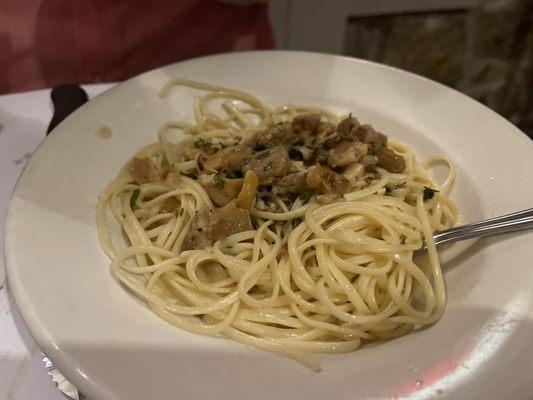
x=310 y=277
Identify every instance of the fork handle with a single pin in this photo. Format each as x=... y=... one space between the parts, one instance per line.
x=518 y=221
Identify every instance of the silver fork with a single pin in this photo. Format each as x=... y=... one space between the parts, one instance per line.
x=517 y=221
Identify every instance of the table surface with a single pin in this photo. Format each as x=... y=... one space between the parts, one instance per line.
x=24 y=118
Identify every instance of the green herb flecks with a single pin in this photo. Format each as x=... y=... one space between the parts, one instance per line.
x=202 y=144
x=282 y=235
x=219 y=182
x=182 y=210
x=134 y=197
x=351 y=125
x=305 y=196
x=234 y=174
x=429 y=193
x=267 y=167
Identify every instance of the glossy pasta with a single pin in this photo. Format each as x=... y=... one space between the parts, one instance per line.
x=309 y=278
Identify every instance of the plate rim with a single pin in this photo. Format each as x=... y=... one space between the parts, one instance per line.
x=16 y=287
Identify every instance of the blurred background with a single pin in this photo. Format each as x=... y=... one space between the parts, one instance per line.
x=483 y=48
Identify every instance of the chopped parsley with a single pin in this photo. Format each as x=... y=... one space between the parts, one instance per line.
x=134 y=197
x=351 y=125
x=191 y=175
x=305 y=196
x=429 y=193
x=182 y=210
x=282 y=235
x=202 y=144
x=267 y=167
x=234 y=174
x=219 y=182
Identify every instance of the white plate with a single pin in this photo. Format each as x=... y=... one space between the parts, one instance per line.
x=113 y=347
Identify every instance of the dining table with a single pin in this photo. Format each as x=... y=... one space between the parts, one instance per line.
x=25 y=372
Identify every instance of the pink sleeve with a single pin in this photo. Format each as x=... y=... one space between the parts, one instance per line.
x=47 y=42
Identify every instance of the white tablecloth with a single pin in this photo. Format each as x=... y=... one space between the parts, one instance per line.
x=24 y=118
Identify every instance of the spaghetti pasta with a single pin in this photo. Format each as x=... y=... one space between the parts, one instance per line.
x=317 y=274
